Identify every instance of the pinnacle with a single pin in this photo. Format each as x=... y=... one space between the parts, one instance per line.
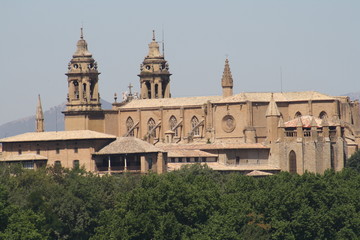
x=272 y=108
x=39 y=111
x=227 y=80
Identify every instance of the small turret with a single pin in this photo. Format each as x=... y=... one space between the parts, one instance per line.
x=39 y=116
x=272 y=120
x=227 y=80
x=272 y=110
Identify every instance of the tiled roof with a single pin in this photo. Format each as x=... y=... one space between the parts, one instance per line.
x=189 y=153
x=57 y=136
x=306 y=120
x=169 y=102
x=126 y=145
x=241 y=97
x=24 y=157
x=255 y=173
x=168 y=147
x=278 y=97
x=222 y=167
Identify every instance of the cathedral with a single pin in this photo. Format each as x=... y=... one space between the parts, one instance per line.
x=254 y=133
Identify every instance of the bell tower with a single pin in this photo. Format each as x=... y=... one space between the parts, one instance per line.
x=154 y=74
x=83 y=76
x=83 y=107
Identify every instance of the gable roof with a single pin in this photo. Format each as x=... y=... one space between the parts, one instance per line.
x=57 y=136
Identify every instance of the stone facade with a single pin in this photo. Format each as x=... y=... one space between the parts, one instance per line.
x=284 y=131
x=240 y=120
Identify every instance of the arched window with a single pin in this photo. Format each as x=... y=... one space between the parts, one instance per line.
x=298 y=114
x=173 y=123
x=148 y=88
x=323 y=115
x=57 y=164
x=129 y=125
x=76 y=89
x=151 y=125
x=194 y=123
x=76 y=164
x=84 y=90
x=292 y=162
x=156 y=91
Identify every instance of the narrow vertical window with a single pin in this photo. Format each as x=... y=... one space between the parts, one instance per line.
x=129 y=125
x=151 y=125
x=292 y=162
x=173 y=123
x=194 y=125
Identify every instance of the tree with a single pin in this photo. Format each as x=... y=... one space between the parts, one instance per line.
x=354 y=161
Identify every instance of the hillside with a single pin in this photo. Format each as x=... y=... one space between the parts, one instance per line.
x=54 y=121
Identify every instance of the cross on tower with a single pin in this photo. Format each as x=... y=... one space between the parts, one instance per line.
x=130 y=86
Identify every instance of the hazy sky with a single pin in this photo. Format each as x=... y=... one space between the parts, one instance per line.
x=316 y=43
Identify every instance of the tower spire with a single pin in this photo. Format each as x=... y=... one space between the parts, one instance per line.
x=227 y=80
x=39 y=116
x=81 y=33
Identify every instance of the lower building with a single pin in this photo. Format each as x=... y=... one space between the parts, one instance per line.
x=94 y=151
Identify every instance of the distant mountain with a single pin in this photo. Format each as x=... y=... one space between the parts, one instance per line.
x=353 y=95
x=54 y=121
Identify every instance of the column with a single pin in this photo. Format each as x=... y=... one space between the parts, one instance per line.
x=143 y=164
x=109 y=164
x=71 y=90
x=160 y=93
x=80 y=85
x=125 y=163
x=144 y=90
x=88 y=91
x=167 y=90
x=160 y=163
x=152 y=89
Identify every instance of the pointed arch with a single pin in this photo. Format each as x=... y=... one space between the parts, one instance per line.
x=292 y=162
x=323 y=115
x=151 y=125
x=194 y=123
x=129 y=125
x=172 y=124
x=298 y=114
